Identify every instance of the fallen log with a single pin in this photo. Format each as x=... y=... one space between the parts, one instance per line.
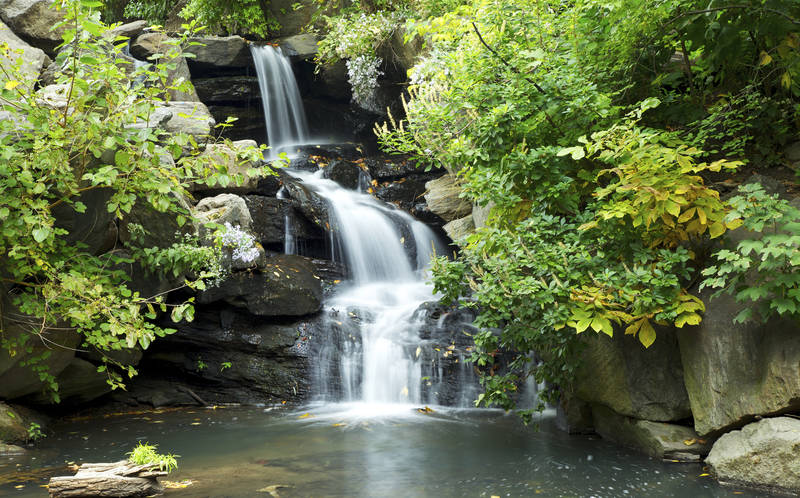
x=112 y=480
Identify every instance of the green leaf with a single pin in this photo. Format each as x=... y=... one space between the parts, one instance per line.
x=40 y=234
x=647 y=335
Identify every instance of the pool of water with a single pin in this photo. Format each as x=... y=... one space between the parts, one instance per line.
x=359 y=450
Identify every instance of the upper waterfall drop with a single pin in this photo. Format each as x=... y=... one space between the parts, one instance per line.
x=283 y=108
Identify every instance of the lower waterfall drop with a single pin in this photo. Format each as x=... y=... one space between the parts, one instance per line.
x=374 y=352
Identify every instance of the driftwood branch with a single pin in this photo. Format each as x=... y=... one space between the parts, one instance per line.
x=117 y=479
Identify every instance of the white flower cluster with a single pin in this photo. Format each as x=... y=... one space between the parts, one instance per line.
x=242 y=243
x=363 y=73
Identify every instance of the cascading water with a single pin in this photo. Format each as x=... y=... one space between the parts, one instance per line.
x=373 y=350
x=283 y=108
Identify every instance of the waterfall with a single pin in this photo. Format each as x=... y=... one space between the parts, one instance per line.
x=283 y=109
x=374 y=352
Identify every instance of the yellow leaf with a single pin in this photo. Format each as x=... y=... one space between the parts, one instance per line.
x=701 y=214
x=419 y=350
x=634 y=327
x=764 y=59
x=11 y=84
x=647 y=335
x=704 y=474
x=306 y=415
x=786 y=81
x=338 y=424
x=716 y=229
x=673 y=208
x=689 y=442
x=734 y=224
x=686 y=215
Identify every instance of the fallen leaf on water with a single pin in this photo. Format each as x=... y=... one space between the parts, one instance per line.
x=196 y=423
x=306 y=415
x=339 y=424
x=273 y=490
x=20 y=486
x=177 y=485
x=427 y=409
x=704 y=474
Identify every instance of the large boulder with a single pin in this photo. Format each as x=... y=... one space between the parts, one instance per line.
x=641 y=383
x=13 y=425
x=269 y=220
x=302 y=46
x=219 y=54
x=95 y=227
x=762 y=455
x=224 y=208
x=34 y=60
x=54 y=351
x=148 y=44
x=33 y=21
x=460 y=228
x=229 y=91
x=292 y=15
x=307 y=201
x=444 y=199
x=225 y=355
x=78 y=383
x=286 y=287
x=733 y=374
x=657 y=439
x=192 y=118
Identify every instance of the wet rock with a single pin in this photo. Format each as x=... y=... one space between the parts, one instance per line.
x=34 y=60
x=226 y=355
x=33 y=21
x=657 y=439
x=229 y=91
x=762 y=455
x=292 y=15
x=733 y=377
x=344 y=173
x=443 y=198
x=219 y=54
x=384 y=168
x=641 y=383
x=305 y=200
x=331 y=82
x=286 y=287
x=269 y=220
x=10 y=450
x=157 y=119
x=574 y=416
x=404 y=193
x=460 y=228
x=249 y=124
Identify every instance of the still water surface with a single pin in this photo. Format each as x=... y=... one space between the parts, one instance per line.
x=360 y=450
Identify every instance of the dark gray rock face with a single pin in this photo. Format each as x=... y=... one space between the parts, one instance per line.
x=226 y=355
x=344 y=173
x=269 y=220
x=219 y=54
x=631 y=380
x=286 y=287
x=95 y=227
x=762 y=455
x=305 y=200
x=78 y=383
x=229 y=91
x=733 y=374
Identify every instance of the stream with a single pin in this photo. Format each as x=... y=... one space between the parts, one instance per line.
x=356 y=450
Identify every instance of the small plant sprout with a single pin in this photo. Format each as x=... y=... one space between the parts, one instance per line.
x=145 y=454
